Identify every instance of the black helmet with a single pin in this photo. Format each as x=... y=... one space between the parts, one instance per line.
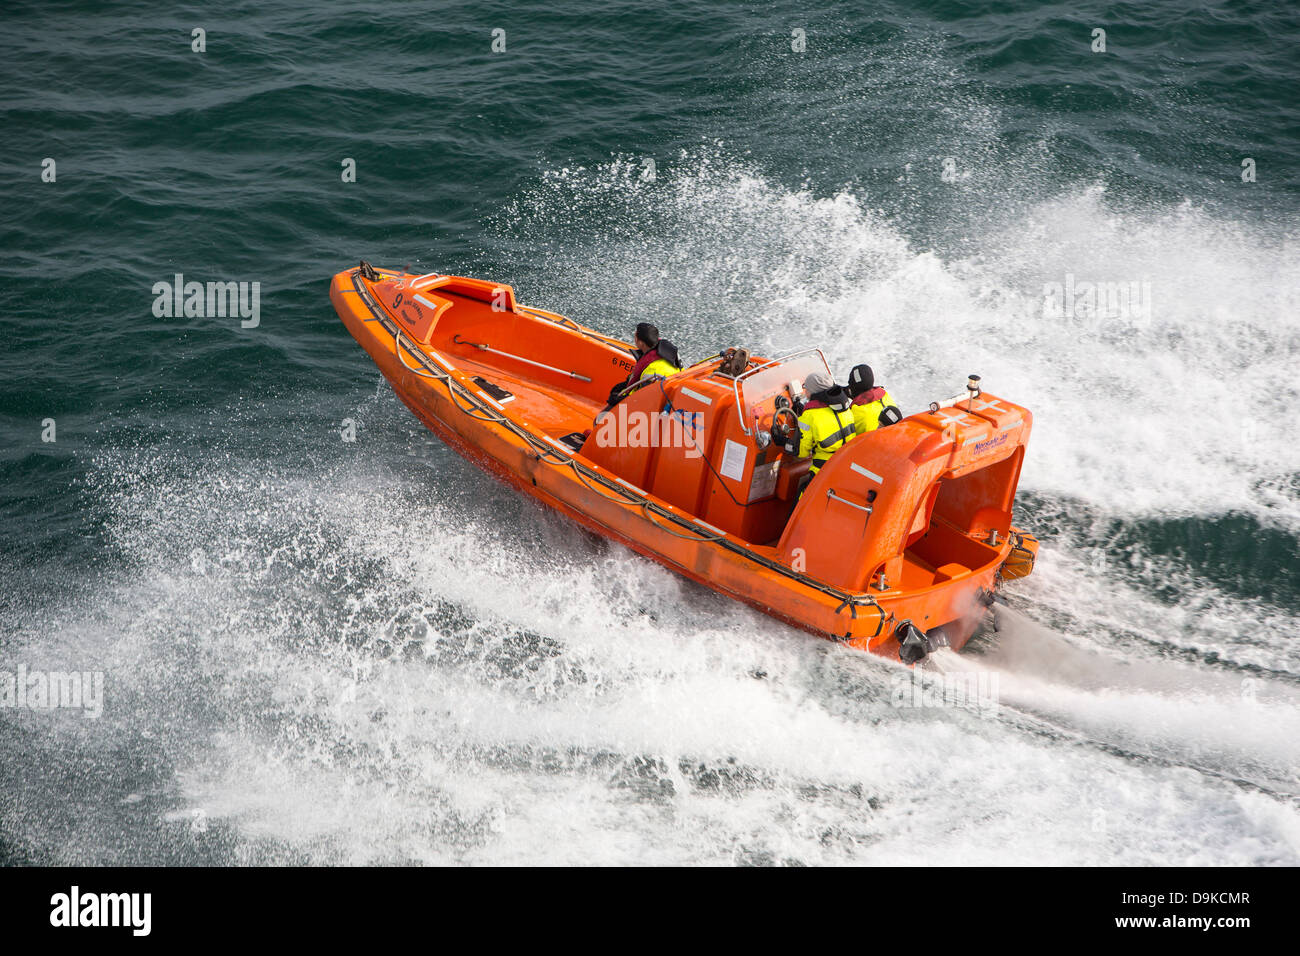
x=861 y=379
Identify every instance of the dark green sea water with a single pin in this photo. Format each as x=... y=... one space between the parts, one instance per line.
x=340 y=652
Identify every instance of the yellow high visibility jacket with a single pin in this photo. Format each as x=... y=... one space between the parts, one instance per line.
x=822 y=432
x=659 y=367
x=866 y=416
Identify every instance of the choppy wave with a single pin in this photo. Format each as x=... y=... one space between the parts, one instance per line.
x=327 y=644
x=315 y=665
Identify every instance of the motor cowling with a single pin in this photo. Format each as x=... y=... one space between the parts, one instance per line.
x=912 y=645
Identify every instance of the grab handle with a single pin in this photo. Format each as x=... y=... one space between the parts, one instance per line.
x=830 y=493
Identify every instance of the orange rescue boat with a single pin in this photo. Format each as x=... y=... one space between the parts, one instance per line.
x=895 y=546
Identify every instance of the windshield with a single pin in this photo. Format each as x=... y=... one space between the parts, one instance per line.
x=783 y=376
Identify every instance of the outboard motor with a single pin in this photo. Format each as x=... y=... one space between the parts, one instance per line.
x=912 y=645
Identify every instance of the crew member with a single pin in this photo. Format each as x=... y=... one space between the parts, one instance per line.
x=825 y=422
x=654 y=356
x=873 y=407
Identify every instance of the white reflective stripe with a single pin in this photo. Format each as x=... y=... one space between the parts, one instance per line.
x=487 y=399
x=870 y=474
x=804 y=427
x=705 y=524
x=959 y=418
x=628 y=484
x=696 y=395
x=975 y=438
x=1010 y=425
x=442 y=361
x=564 y=448
x=993 y=404
x=425 y=302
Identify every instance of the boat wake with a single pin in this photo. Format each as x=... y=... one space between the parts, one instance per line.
x=370 y=653
x=1231 y=724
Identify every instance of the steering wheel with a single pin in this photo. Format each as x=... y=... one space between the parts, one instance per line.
x=794 y=419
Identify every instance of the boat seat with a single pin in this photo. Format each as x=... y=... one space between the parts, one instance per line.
x=792 y=478
x=950 y=572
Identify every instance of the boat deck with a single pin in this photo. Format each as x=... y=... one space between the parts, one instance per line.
x=552 y=411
